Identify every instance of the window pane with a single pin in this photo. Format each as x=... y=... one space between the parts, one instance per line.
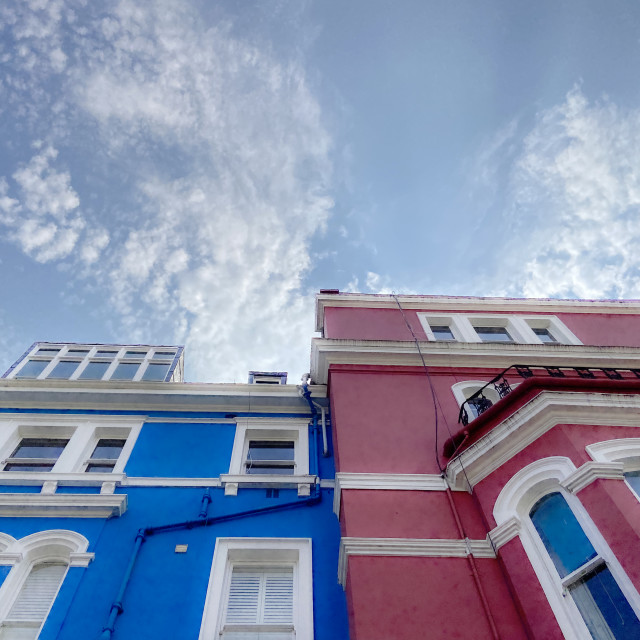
x=493 y=334
x=442 y=333
x=39 y=448
x=561 y=533
x=257 y=469
x=125 y=371
x=271 y=450
x=28 y=467
x=94 y=371
x=108 y=449
x=106 y=352
x=48 y=350
x=603 y=606
x=164 y=354
x=78 y=352
x=633 y=478
x=99 y=468
x=32 y=369
x=63 y=370
x=544 y=335
x=135 y=354
x=156 y=371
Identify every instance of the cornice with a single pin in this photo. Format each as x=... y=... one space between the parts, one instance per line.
x=410 y=547
x=464 y=303
x=40 y=505
x=505 y=532
x=534 y=419
x=157 y=396
x=326 y=352
x=385 y=481
x=591 y=471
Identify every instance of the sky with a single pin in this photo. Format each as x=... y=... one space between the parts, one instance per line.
x=194 y=171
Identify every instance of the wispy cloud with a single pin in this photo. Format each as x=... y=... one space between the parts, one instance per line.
x=571 y=203
x=222 y=177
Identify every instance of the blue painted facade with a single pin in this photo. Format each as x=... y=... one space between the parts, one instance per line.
x=181 y=454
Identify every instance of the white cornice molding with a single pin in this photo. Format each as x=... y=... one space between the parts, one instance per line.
x=590 y=471
x=8 y=558
x=505 y=532
x=385 y=481
x=233 y=482
x=625 y=450
x=326 y=352
x=38 y=505
x=71 y=479
x=534 y=419
x=460 y=303
x=81 y=559
x=410 y=547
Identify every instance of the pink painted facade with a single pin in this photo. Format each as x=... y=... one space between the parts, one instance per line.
x=440 y=537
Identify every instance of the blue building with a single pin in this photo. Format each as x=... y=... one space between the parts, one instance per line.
x=135 y=505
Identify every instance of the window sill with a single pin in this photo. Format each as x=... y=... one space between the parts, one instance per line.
x=232 y=483
x=73 y=479
x=39 y=505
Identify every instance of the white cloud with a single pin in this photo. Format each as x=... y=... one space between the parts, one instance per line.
x=228 y=176
x=570 y=203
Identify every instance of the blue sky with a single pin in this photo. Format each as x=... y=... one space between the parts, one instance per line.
x=191 y=172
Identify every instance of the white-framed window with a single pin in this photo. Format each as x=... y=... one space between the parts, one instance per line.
x=464 y=390
x=99 y=362
x=270 y=446
x=32 y=443
x=502 y=328
x=624 y=450
x=259 y=589
x=589 y=592
x=39 y=564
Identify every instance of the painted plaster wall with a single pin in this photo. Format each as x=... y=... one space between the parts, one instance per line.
x=167 y=591
x=410 y=598
x=388 y=324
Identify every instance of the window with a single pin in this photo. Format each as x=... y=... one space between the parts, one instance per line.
x=587 y=589
x=493 y=334
x=633 y=479
x=105 y=455
x=544 y=334
x=464 y=390
x=259 y=589
x=269 y=452
x=125 y=371
x=94 y=371
x=32 y=368
x=270 y=456
x=64 y=369
x=442 y=332
x=36 y=454
x=156 y=371
x=584 y=574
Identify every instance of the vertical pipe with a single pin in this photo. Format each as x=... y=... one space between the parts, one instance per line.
x=116 y=607
x=325 y=444
x=206 y=501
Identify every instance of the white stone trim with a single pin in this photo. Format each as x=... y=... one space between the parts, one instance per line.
x=590 y=471
x=385 y=481
x=230 y=552
x=511 y=512
x=493 y=355
x=232 y=483
x=411 y=547
x=625 y=450
x=534 y=419
x=65 y=505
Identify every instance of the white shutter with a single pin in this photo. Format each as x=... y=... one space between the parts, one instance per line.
x=244 y=598
x=37 y=593
x=278 y=598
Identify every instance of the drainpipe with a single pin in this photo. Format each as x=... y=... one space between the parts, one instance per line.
x=204 y=520
x=314 y=406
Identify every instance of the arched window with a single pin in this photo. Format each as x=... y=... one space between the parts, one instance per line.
x=584 y=574
x=590 y=594
x=464 y=390
x=41 y=563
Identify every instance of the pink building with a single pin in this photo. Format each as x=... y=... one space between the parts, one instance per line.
x=488 y=464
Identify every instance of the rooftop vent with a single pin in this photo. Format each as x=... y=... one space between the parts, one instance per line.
x=267 y=377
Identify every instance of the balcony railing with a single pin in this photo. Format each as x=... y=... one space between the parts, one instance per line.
x=478 y=403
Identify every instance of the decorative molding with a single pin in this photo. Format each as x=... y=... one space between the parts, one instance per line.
x=385 y=481
x=494 y=355
x=232 y=483
x=505 y=532
x=9 y=559
x=534 y=419
x=411 y=547
x=40 y=505
x=141 y=481
x=81 y=559
x=625 y=450
x=71 y=479
x=590 y=471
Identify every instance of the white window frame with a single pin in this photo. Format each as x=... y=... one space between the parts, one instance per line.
x=511 y=510
x=625 y=450
x=287 y=429
x=519 y=327
x=57 y=546
x=247 y=552
x=83 y=433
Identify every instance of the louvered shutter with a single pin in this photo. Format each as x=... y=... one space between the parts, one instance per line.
x=244 y=598
x=37 y=593
x=278 y=598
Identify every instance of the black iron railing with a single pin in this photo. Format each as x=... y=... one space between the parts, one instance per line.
x=478 y=403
